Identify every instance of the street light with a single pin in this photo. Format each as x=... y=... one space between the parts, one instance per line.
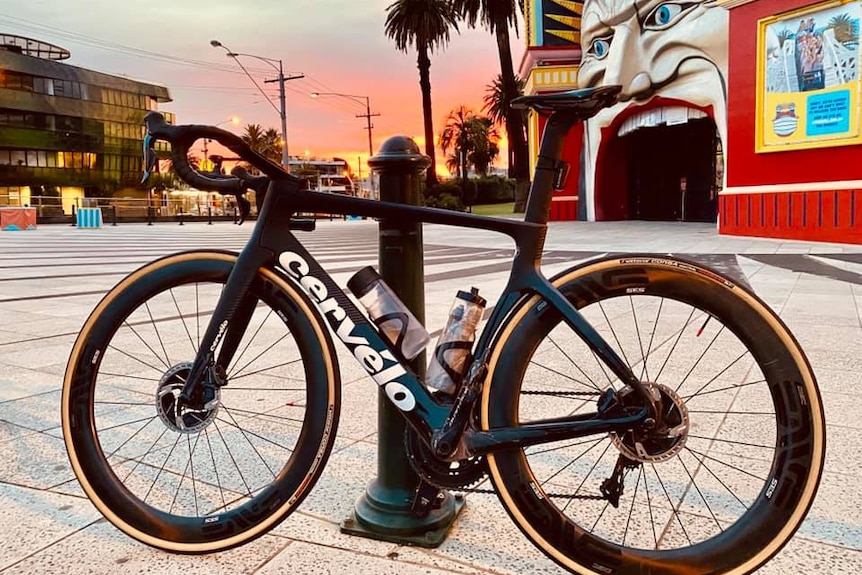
x=232 y=120
x=282 y=110
x=367 y=115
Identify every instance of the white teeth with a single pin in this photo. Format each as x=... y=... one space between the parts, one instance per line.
x=665 y=115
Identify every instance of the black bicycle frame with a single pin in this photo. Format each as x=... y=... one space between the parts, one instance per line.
x=442 y=426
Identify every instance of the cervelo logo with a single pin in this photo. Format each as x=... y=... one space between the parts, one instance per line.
x=219 y=335
x=373 y=360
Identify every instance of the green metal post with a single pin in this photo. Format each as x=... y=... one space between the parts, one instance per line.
x=384 y=511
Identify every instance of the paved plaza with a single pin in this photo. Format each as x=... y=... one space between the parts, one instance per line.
x=51 y=278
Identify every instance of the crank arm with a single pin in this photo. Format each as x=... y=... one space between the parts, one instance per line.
x=483 y=442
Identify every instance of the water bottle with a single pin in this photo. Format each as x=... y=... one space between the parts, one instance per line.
x=389 y=313
x=455 y=342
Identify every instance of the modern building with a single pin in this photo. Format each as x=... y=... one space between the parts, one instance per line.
x=67 y=133
x=740 y=112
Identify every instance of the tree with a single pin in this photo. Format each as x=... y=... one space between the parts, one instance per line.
x=497 y=105
x=473 y=140
x=253 y=136
x=265 y=142
x=497 y=16
x=425 y=26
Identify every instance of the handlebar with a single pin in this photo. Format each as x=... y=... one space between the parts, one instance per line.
x=181 y=139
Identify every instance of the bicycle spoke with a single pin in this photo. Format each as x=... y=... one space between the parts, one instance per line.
x=703 y=464
x=561 y=374
x=230 y=454
x=640 y=341
x=215 y=468
x=576 y=366
x=634 y=498
x=649 y=506
x=697 y=362
x=158 y=335
x=614 y=333
x=252 y=445
x=162 y=468
x=687 y=398
x=587 y=476
x=705 y=456
x=239 y=371
x=674 y=509
x=159 y=370
x=183 y=321
x=707 y=384
x=235 y=377
x=699 y=492
x=673 y=347
x=730 y=441
x=652 y=337
x=250 y=341
x=261 y=437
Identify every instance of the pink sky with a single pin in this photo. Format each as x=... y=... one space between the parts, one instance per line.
x=340 y=46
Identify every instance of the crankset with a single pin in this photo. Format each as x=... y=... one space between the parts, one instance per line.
x=455 y=475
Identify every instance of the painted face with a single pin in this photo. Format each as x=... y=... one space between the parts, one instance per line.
x=662 y=53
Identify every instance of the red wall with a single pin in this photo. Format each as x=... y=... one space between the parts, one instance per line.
x=833 y=216
x=744 y=166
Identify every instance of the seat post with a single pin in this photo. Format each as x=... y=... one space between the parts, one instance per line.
x=550 y=153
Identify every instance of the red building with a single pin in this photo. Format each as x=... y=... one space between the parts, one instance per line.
x=746 y=113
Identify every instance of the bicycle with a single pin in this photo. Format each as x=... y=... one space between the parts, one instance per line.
x=609 y=452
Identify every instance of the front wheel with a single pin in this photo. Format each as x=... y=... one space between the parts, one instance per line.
x=726 y=482
x=197 y=481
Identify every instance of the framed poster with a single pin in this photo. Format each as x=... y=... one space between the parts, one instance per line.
x=808 y=83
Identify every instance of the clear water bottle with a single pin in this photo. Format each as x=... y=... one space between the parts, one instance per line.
x=389 y=313
x=455 y=342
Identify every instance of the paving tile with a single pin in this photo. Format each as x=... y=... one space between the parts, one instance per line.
x=37 y=519
x=103 y=549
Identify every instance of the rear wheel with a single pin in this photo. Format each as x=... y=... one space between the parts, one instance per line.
x=722 y=487
x=195 y=481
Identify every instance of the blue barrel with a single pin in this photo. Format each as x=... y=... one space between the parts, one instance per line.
x=89 y=218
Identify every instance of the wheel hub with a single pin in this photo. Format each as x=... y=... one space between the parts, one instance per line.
x=178 y=417
x=663 y=441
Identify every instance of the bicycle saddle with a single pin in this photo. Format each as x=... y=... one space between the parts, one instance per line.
x=584 y=103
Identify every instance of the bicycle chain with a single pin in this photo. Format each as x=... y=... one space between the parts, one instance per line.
x=418 y=468
x=564 y=393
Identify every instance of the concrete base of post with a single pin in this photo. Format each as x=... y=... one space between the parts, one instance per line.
x=376 y=518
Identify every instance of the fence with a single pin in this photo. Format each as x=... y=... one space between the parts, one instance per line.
x=56 y=208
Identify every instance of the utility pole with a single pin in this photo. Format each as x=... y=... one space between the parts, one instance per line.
x=368 y=115
x=285 y=157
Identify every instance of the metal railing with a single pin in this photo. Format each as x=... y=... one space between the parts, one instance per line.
x=126 y=208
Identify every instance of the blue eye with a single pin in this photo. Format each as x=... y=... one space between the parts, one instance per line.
x=600 y=47
x=664 y=15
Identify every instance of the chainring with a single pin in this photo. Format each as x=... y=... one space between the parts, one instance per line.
x=442 y=474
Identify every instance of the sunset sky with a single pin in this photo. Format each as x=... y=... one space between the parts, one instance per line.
x=339 y=45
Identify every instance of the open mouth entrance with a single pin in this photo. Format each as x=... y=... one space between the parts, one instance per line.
x=664 y=172
x=672 y=172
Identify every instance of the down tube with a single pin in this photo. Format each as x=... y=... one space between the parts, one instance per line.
x=376 y=356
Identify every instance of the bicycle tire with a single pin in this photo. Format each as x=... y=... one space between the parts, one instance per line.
x=231 y=472
x=538 y=485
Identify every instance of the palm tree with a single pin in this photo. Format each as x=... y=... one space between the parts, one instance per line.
x=253 y=136
x=272 y=144
x=473 y=140
x=497 y=104
x=497 y=16
x=425 y=26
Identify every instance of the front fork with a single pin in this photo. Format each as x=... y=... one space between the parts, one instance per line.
x=227 y=326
